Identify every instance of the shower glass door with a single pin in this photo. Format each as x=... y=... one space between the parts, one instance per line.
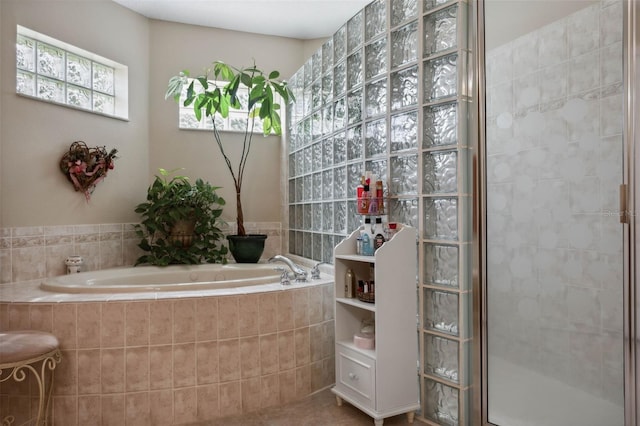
x=554 y=243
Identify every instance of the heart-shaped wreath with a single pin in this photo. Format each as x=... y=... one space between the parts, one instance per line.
x=84 y=167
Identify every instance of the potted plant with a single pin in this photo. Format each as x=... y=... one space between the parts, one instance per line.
x=223 y=88
x=181 y=222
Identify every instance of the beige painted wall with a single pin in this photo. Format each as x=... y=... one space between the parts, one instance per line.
x=175 y=47
x=34 y=135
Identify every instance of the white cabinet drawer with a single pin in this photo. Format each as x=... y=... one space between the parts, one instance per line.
x=356 y=375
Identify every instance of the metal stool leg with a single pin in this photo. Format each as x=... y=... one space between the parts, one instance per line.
x=39 y=366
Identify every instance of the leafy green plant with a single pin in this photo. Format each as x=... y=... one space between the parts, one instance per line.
x=170 y=202
x=214 y=100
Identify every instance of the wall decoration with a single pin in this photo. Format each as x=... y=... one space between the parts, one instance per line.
x=84 y=167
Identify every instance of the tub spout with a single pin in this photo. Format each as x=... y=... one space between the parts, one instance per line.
x=298 y=273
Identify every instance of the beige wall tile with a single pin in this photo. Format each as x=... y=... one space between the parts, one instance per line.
x=250 y=357
x=227 y=317
x=4 y=317
x=328 y=371
x=5 y=264
x=303 y=380
x=89 y=409
x=208 y=401
x=89 y=362
x=285 y=311
x=270 y=392
x=317 y=376
x=66 y=375
x=112 y=410
x=110 y=253
x=185 y=405
x=90 y=252
x=27 y=263
x=268 y=313
x=269 y=353
x=64 y=324
x=300 y=307
x=287 y=385
x=161 y=407
x=160 y=367
x=327 y=302
x=316 y=341
x=184 y=321
x=328 y=342
x=249 y=315
x=229 y=359
x=64 y=410
x=41 y=317
x=137 y=369
x=20 y=406
x=137 y=409
x=137 y=323
x=112 y=370
x=184 y=365
x=206 y=319
x=230 y=398
x=302 y=346
x=251 y=391
x=19 y=316
x=112 y=325
x=161 y=322
x=286 y=350
x=89 y=320
x=207 y=363
x=56 y=255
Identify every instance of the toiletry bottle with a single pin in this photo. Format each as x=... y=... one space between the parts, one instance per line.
x=378 y=239
x=360 y=196
x=380 y=197
x=363 y=206
x=367 y=241
x=349 y=282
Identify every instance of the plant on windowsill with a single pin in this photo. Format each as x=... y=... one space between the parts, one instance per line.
x=180 y=222
x=258 y=89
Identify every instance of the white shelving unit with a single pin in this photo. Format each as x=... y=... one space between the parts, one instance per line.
x=382 y=382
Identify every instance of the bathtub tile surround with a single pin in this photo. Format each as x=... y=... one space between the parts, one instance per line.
x=178 y=360
x=34 y=252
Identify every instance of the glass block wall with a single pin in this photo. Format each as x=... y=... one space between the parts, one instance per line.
x=387 y=93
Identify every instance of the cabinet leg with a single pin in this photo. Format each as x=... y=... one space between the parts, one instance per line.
x=378 y=422
x=338 y=401
x=410 y=416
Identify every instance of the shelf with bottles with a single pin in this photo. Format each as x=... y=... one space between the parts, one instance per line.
x=370 y=196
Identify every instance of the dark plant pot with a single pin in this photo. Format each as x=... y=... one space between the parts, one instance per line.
x=246 y=248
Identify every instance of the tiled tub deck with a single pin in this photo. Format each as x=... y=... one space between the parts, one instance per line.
x=173 y=358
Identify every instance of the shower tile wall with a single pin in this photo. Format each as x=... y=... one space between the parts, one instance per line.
x=387 y=93
x=554 y=138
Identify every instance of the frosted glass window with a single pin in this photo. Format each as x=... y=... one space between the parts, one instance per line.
x=404 y=45
x=404 y=88
x=376 y=19
x=55 y=71
x=402 y=11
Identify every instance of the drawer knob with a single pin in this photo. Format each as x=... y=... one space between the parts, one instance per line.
x=353 y=376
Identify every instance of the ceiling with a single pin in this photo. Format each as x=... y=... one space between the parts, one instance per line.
x=301 y=19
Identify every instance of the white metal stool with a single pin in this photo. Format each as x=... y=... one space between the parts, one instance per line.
x=34 y=351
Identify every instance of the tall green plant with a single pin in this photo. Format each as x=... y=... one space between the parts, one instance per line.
x=212 y=99
x=175 y=199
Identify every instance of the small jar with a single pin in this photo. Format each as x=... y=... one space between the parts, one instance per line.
x=74 y=264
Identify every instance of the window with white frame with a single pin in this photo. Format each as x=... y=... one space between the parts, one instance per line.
x=54 y=71
x=234 y=122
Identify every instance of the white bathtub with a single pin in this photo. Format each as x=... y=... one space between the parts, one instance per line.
x=169 y=278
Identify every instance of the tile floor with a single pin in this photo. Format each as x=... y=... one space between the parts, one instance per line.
x=319 y=409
